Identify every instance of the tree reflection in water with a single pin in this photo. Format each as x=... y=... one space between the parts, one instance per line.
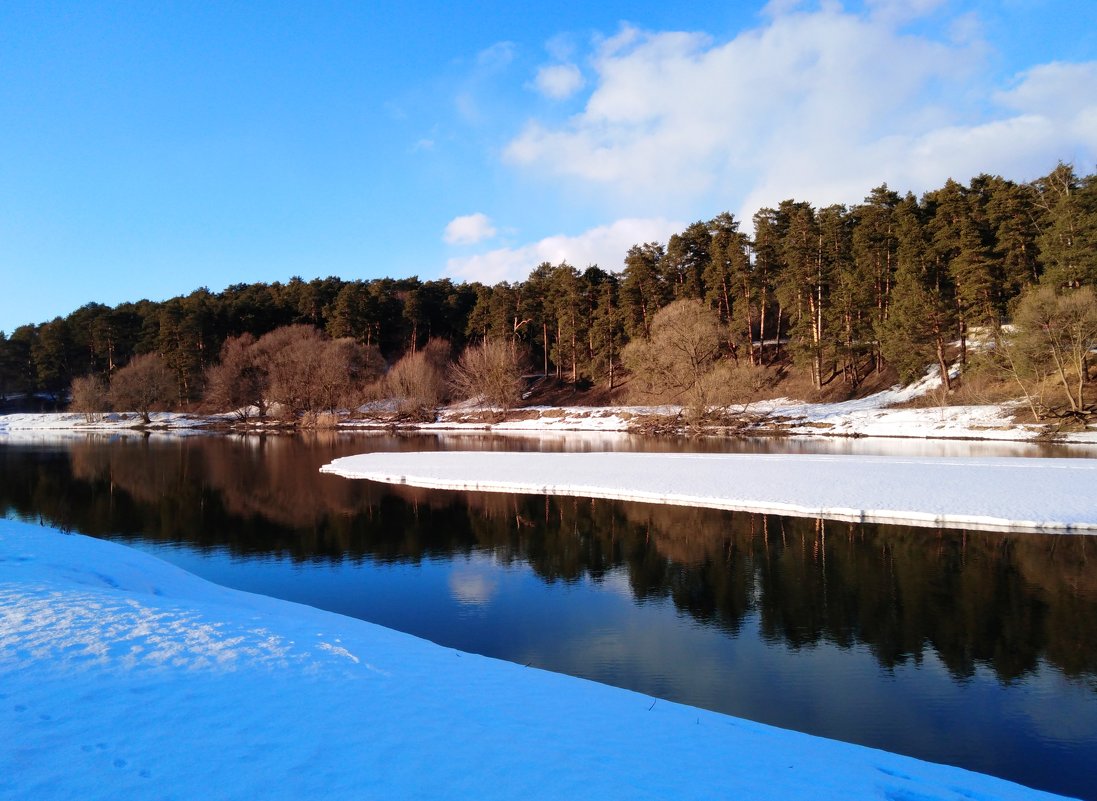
x=1005 y=601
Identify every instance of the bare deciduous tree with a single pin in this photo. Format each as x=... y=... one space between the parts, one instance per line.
x=89 y=395
x=673 y=363
x=238 y=382
x=1050 y=346
x=490 y=373
x=343 y=367
x=294 y=369
x=146 y=383
x=417 y=382
x=735 y=386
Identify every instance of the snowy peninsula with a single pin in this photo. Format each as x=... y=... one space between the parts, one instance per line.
x=987 y=493
x=123 y=677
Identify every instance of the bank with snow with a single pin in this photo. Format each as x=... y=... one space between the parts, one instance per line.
x=993 y=494
x=122 y=677
x=883 y=414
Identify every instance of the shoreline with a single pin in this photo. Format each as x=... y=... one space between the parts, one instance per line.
x=106 y=648
x=847 y=420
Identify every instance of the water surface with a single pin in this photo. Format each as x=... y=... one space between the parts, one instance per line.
x=975 y=649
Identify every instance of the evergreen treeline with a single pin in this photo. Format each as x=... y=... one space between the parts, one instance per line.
x=841 y=291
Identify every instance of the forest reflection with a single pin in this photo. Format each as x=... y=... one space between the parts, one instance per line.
x=1006 y=601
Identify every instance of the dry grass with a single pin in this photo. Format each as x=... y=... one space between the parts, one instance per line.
x=319 y=420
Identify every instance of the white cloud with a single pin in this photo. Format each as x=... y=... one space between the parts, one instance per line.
x=1056 y=91
x=777 y=8
x=495 y=57
x=821 y=105
x=899 y=11
x=605 y=246
x=468 y=230
x=1051 y=115
x=559 y=81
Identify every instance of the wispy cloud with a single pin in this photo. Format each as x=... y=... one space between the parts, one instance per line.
x=558 y=81
x=495 y=57
x=490 y=63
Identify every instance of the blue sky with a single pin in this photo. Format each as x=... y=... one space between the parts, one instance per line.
x=147 y=149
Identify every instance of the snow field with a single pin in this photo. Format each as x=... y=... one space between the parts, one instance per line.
x=122 y=677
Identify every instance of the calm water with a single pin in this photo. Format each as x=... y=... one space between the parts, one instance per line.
x=974 y=649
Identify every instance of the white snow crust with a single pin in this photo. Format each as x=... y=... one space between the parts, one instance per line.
x=985 y=493
x=122 y=677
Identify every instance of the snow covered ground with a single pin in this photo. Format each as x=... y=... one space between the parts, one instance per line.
x=873 y=416
x=112 y=422
x=122 y=677
x=987 y=494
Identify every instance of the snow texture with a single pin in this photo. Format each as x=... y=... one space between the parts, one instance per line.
x=122 y=677
x=986 y=493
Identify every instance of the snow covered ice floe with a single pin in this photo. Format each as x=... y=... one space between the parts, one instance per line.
x=123 y=677
x=984 y=493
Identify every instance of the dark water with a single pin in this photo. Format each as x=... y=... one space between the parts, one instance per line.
x=974 y=649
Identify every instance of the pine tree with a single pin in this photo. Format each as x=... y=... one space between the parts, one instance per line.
x=729 y=282
x=922 y=310
x=53 y=352
x=608 y=332
x=806 y=284
x=535 y=308
x=1068 y=221
x=644 y=289
x=846 y=331
x=564 y=301
x=768 y=270
x=1011 y=214
x=687 y=260
x=874 y=252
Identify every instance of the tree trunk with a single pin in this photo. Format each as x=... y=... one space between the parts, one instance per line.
x=750 y=325
x=777 y=334
x=941 y=363
x=762 y=328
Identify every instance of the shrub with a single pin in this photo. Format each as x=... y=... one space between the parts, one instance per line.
x=90 y=395
x=489 y=373
x=673 y=363
x=146 y=383
x=417 y=382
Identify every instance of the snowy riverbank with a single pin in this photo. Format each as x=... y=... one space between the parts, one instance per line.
x=880 y=415
x=124 y=677
x=836 y=420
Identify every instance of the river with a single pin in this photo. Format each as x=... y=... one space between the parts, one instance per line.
x=974 y=649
